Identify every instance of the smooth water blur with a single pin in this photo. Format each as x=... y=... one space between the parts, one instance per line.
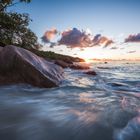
x=84 y=107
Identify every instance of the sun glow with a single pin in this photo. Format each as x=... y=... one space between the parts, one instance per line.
x=89 y=53
x=87 y=60
x=107 y=53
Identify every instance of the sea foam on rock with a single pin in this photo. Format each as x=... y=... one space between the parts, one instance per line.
x=18 y=65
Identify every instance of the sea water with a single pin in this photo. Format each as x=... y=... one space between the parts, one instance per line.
x=84 y=107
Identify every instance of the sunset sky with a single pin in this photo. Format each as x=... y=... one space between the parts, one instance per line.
x=114 y=19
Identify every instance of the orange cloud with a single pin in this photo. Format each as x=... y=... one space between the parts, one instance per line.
x=49 y=35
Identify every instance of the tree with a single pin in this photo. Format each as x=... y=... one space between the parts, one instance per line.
x=14 y=30
x=14 y=27
x=4 y=4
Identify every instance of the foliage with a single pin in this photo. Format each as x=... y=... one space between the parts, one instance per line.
x=14 y=30
x=14 y=26
x=4 y=4
x=56 y=56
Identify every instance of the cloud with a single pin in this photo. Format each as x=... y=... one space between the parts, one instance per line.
x=88 y=31
x=82 y=39
x=131 y=52
x=96 y=39
x=113 y=48
x=81 y=49
x=75 y=38
x=101 y=40
x=105 y=41
x=133 y=38
x=49 y=35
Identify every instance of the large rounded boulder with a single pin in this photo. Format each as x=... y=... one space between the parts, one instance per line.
x=18 y=65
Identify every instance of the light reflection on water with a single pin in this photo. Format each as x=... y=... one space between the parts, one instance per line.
x=102 y=107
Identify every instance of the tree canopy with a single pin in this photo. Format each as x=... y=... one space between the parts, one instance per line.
x=14 y=28
x=4 y=4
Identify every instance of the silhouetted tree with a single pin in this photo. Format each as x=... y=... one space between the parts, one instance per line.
x=14 y=27
x=4 y=4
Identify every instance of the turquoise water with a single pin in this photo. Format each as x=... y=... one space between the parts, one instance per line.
x=84 y=107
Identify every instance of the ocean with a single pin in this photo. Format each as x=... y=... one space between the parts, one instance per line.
x=84 y=107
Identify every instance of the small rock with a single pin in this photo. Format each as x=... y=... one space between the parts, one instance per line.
x=61 y=63
x=104 y=67
x=79 y=67
x=91 y=72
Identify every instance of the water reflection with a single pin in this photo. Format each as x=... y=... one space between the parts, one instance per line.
x=86 y=98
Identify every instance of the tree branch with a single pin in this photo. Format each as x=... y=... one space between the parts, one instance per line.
x=8 y=5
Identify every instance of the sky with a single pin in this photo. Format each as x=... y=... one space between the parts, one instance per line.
x=115 y=19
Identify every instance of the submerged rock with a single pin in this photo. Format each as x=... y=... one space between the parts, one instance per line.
x=18 y=65
x=91 y=72
x=104 y=67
